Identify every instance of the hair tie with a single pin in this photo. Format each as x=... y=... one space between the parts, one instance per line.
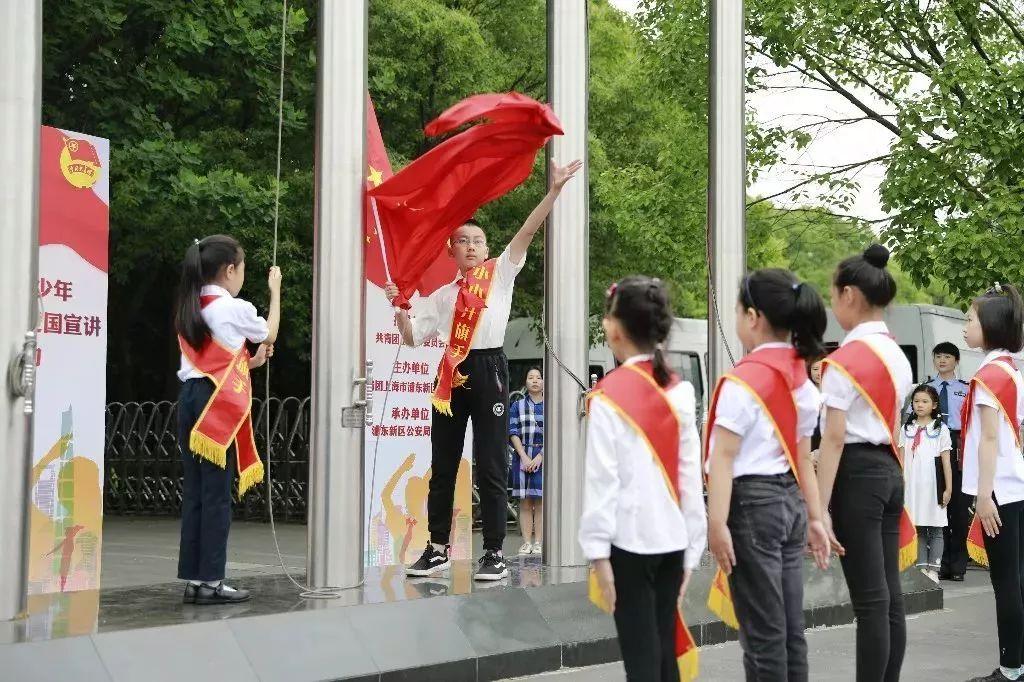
x=796 y=288
x=195 y=242
x=612 y=289
x=999 y=288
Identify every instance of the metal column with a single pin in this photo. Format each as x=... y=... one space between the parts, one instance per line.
x=727 y=183
x=20 y=75
x=335 y=555
x=566 y=281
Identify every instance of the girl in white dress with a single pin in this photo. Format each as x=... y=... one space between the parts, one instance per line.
x=923 y=440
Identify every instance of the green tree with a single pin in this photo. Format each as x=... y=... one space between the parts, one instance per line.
x=944 y=78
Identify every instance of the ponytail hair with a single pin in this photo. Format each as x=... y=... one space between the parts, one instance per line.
x=1001 y=316
x=203 y=262
x=789 y=306
x=641 y=305
x=868 y=273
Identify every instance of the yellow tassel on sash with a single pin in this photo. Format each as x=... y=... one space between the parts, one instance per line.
x=442 y=406
x=689 y=665
x=908 y=555
x=978 y=554
x=208 y=449
x=249 y=478
x=720 y=600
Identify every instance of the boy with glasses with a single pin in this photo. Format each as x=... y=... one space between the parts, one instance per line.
x=470 y=315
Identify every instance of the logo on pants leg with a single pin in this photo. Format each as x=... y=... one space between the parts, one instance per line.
x=499 y=409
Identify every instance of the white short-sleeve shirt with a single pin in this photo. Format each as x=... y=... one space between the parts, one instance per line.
x=862 y=424
x=1008 y=484
x=625 y=500
x=432 y=316
x=761 y=452
x=232 y=322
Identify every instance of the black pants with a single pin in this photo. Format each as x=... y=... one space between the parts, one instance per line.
x=1006 y=568
x=866 y=507
x=484 y=399
x=954 y=535
x=205 y=495
x=646 y=593
x=768 y=523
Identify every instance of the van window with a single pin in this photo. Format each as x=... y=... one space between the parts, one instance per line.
x=911 y=353
x=687 y=366
x=518 y=369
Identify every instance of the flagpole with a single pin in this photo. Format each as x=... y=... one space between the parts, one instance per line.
x=380 y=239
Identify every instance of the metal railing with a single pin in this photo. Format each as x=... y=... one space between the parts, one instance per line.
x=143 y=474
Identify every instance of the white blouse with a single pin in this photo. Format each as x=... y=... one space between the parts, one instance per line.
x=761 y=452
x=862 y=424
x=232 y=321
x=625 y=500
x=1008 y=484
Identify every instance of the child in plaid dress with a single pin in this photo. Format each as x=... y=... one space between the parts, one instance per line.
x=526 y=474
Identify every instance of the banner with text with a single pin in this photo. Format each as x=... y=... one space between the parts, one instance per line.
x=67 y=471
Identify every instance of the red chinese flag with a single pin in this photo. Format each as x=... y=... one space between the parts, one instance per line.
x=442 y=269
x=421 y=205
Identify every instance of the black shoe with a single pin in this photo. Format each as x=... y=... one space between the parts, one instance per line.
x=221 y=594
x=996 y=676
x=190 y=594
x=492 y=566
x=958 y=579
x=431 y=562
x=944 y=574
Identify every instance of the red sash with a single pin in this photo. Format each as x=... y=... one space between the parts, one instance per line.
x=634 y=394
x=769 y=375
x=996 y=377
x=859 y=362
x=474 y=289
x=227 y=416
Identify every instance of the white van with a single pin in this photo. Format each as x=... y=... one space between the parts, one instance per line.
x=686 y=352
x=918 y=328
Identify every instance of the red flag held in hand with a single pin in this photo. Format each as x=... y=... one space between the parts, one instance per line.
x=421 y=205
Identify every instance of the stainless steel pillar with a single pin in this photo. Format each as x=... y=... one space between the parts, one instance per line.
x=20 y=74
x=727 y=184
x=566 y=286
x=335 y=555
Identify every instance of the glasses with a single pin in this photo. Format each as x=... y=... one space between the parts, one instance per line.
x=466 y=241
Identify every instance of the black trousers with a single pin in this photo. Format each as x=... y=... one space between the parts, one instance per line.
x=646 y=593
x=205 y=495
x=768 y=523
x=1006 y=571
x=484 y=399
x=866 y=507
x=958 y=511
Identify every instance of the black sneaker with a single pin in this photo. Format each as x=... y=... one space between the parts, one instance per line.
x=492 y=566
x=221 y=594
x=431 y=562
x=996 y=676
x=190 y=594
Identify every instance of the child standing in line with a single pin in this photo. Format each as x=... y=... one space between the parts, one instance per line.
x=643 y=526
x=763 y=504
x=526 y=473
x=925 y=443
x=214 y=425
x=993 y=466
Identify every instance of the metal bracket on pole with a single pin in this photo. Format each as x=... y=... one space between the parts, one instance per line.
x=360 y=413
x=21 y=372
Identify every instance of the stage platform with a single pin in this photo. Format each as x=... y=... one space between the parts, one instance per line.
x=448 y=629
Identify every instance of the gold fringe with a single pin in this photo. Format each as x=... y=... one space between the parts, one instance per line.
x=595 y=594
x=977 y=554
x=720 y=604
x=442 y=406
x=689 y=665
x=459 y=380
x=208 y=449
x=908 y=555
x=250 y=477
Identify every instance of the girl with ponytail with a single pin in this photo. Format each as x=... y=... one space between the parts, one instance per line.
x=214 y=427
x=643 y=524
x=763 y=503
x=860 y=475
